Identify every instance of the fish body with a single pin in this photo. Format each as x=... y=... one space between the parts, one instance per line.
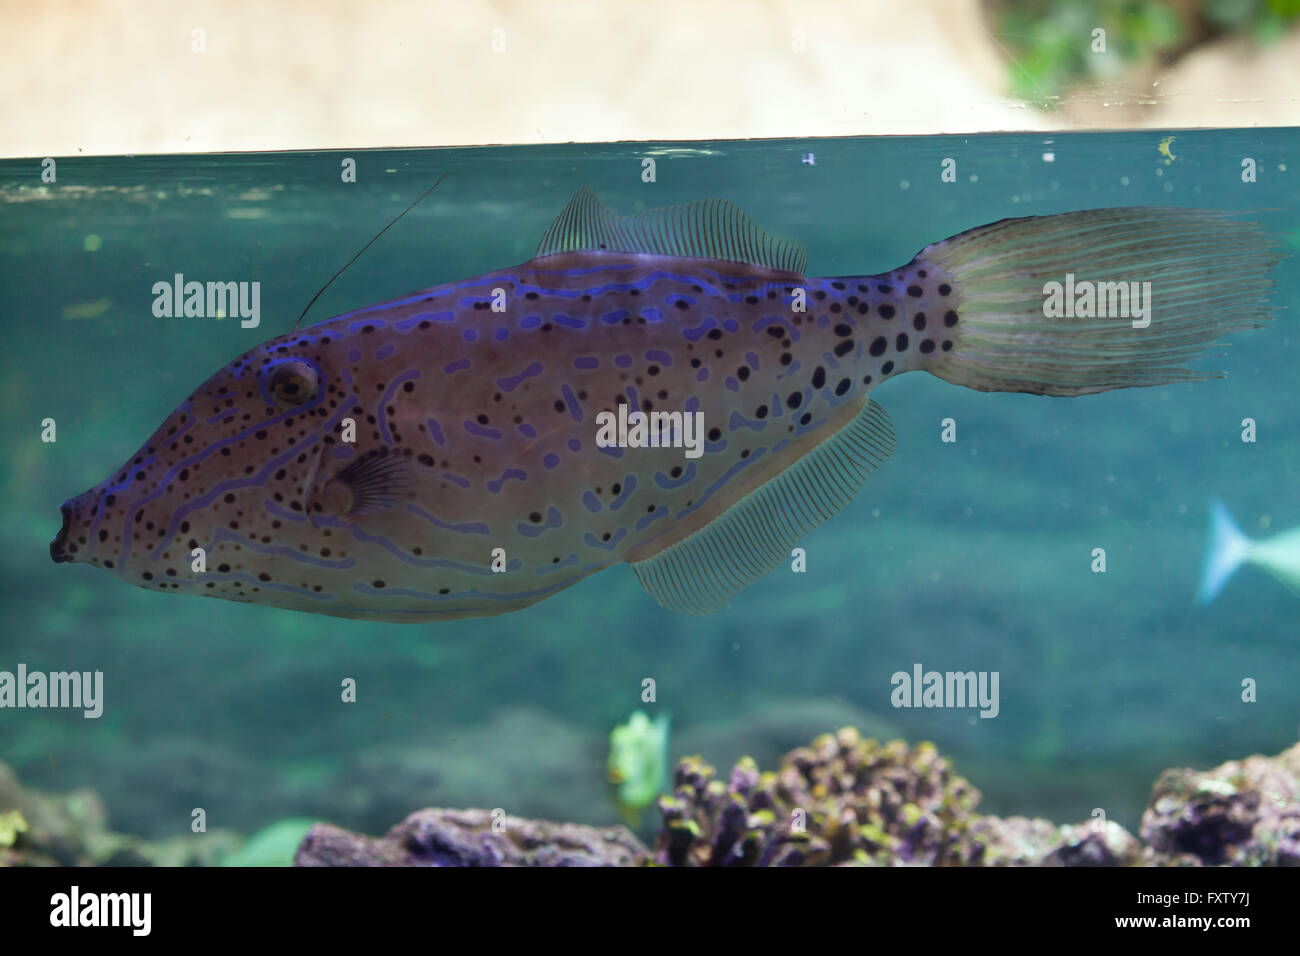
x=1229 y=549
x=638 y=764
x=447 y=454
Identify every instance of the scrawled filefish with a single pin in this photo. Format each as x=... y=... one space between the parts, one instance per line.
x=668 y=390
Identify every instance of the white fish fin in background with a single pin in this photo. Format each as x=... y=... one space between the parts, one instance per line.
x=1228 y=548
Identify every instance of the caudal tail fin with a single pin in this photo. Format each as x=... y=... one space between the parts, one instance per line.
x=1228 y=548
x=1090 y=301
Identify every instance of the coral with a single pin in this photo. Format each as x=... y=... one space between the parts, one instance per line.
x=71 y=829
x=849 y=801
x=473 y=838
x=841 y=800
x=1241 y=813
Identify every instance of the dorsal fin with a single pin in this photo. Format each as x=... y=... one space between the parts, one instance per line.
x=707 y=229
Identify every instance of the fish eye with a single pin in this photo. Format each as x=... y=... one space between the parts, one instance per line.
x=293 y=383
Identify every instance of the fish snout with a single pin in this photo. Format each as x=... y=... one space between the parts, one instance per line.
x=59 y=546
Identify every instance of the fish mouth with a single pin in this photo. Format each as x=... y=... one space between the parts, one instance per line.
x=58 y=547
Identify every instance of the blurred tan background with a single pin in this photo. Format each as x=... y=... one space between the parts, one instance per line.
x=137 y=76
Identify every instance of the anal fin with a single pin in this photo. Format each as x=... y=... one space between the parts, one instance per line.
x=702 y=572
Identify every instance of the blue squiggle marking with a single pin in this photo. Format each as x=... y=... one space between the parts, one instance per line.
x=726 y=477
x=553 y=520
x=496 y=484
x=629 y=485
x=476 y=429
x=661 y=511
x=512 y=382
x=476 y=527
x=593 y=542
x=388 y=395
x=663 y=481
x=572 y=401
x=739 y=421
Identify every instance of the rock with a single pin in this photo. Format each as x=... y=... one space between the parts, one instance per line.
x=437 y=837
x=1017 y=841
x=1241 y=813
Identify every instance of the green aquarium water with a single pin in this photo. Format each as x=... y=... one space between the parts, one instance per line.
x=1054 y=542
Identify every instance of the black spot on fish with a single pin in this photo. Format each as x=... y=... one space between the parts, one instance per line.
x=819 y=377
x=842 y=386
x=950 y=318
x=915 y=291
x=900 y=343
x=843 y=330
x=887 y=368
x=844 y=348
x=794 y=400
x=760 y=412
x=886 y=311
x=878 y=346
x=927 y=346
x=714 y=434
x=742 y=373
x=918 y=321
x=944 y=288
